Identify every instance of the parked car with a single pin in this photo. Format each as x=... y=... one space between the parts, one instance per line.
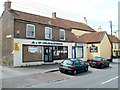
x=99 y=62
x=73 y=66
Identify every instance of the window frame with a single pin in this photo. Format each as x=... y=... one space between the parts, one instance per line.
x=48 y=28
x=60 y=34
x=28 y=30
x=115 y=46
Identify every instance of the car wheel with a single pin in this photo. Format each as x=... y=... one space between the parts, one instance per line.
x=75 y=72
x=108 y=65
x=61 y=71
x=86 y=69
x=91 y=66
x=102 y=66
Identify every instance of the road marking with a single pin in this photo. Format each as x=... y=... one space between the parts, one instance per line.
x=110 y=80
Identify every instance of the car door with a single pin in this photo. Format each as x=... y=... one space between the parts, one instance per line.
x=82 y=65
x=77 y=65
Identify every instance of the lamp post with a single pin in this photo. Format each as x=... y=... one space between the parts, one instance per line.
x=111 y=40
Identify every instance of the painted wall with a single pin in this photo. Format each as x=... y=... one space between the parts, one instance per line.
x=85 y=52
x=93 y=54
x=79 y=32
x=105 y=47
x=116 y=47
x=7 y=43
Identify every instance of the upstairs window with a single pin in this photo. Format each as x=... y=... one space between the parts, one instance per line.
x=48 y=33
x=62 y=34
x=115 y=46
x=30 y=31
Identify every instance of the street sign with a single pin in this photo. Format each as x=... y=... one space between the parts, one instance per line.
x=16 y=46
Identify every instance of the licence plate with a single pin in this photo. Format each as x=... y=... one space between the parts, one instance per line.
x=94 y=62
x=65 y=67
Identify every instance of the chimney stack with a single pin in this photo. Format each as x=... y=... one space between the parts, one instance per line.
x=99 y=29
x=85 y=20
x=54 y=15
x=7 y=5
x=115 y=34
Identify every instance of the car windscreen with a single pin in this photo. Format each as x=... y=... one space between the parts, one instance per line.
x=67 y=62
x=96 y=59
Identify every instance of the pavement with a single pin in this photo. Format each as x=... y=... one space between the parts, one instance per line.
x=9 y=72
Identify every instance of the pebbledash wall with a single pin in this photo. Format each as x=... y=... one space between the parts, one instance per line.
x=18 y=53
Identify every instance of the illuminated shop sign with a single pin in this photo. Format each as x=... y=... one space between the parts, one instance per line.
x=47 y=43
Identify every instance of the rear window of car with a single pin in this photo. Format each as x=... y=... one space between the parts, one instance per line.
x=68 y=62
x=96 y=59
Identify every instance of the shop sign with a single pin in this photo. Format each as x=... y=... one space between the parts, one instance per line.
x=47 y=43
x=32 y=49
x=79 y=44
x=16 y=46
x=93 y=48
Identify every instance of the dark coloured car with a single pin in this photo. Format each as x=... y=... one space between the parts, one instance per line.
x=99 y=62
x=73 y=66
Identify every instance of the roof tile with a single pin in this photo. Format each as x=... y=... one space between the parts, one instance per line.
x=113 y=39
x=63 y=23
x=94 y=37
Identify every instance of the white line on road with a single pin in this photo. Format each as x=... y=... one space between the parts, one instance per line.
x=110 y=80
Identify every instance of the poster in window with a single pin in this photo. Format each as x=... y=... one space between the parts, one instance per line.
x=32 y=49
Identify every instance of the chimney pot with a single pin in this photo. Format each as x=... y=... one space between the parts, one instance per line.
x=54 y=15
x=85 y=20
x=7 y=5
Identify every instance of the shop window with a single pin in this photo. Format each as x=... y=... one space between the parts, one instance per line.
x=30 y=31
x=60 y=52
x=79 y=52
x=32 y=53
x=48 y=33
x=62 y=34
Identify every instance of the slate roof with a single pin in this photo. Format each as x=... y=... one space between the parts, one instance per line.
x=63 y=23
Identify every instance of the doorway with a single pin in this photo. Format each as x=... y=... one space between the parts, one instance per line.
x=48 y=54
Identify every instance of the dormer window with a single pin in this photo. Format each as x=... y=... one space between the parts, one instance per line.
x=30 y=31
x=62 y=34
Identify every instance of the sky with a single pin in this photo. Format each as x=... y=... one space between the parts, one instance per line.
x=97 y=12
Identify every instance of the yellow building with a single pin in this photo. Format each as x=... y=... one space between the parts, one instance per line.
x=115 y=45
x=97 y=44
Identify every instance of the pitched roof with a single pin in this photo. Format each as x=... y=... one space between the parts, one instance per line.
x=94 y=37
x=63 y=23
x=113 y=39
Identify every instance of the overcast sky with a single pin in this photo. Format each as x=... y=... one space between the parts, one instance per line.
x=97 y=12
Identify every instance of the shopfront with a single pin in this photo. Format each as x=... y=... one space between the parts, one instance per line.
x=34 y=52
x=78 y=51
x=52 y=53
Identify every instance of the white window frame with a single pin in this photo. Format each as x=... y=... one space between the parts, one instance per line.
x=47 y=33
x=60 y=35
x=27 y=31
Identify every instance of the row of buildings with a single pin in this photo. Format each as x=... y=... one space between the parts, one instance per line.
x=29 y=39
